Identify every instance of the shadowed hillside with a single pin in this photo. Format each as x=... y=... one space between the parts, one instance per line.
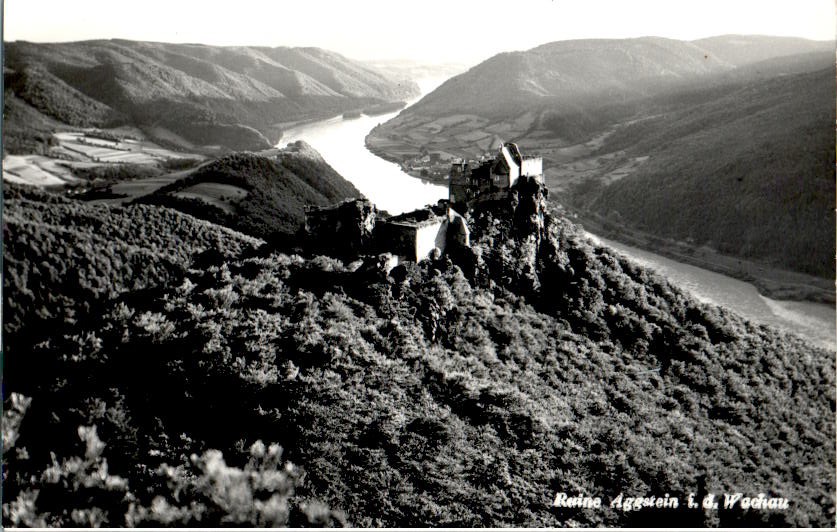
x=63 y=258
x=750 y=174
x=230 y=96
x=722 y=144
x=259 y=194
x=463 y=391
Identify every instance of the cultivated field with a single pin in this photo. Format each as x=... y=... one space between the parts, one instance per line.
x=130 y=190
x=35 y=170
x=73 y=150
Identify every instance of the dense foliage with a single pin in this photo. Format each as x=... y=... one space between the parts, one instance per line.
x=25 y=129
x=62 y=258
x=465 y=390
x=114 y=173
x=278 y=189
x=80 y=491
x=749 y=173
x=53 y=97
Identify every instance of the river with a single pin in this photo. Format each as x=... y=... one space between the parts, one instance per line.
x=341 y=142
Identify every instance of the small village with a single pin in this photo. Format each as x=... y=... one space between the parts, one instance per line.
x=433 y=165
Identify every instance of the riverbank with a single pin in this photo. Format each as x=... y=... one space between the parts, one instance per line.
x=435 y=173
x=343 y=144
x=775 y=283
x=772 y=282
x=340 y=142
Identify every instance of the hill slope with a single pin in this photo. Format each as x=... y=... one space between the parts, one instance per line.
x=62 y=258
x=569 y=75
x=466 y=391
x=232 y=96
x=723 y=143
x=262 y=194
x=740 y=50
x=750 y=174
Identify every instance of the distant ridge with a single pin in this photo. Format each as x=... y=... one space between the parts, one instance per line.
x=582 y=72
x=739 y=50
x=724 y=144
x=232 y=96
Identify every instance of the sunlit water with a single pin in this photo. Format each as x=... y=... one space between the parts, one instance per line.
x=341 y=142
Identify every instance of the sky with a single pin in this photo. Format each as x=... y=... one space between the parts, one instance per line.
x=432 y=31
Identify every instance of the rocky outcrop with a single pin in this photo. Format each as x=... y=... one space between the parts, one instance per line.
x=528 y=200
x=345 y=229
x=509 y=237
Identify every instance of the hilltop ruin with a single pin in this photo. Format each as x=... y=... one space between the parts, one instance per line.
x=474 y=181
x=354 y=227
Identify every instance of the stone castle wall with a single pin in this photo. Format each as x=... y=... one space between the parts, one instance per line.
x=431 y=236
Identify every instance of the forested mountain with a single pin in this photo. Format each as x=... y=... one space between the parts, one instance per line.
x=209 y=95
x=572 y=75
x=462 y=391
x=724 y=144
x=750 y=173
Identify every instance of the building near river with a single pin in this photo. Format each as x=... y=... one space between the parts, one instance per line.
x=353 y=228
x=472 y=181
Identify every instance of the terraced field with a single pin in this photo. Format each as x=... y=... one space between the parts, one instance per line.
x=36 y=170
x=74 y=150
x=122 y=151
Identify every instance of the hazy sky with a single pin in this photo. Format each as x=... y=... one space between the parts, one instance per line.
x=464 y=31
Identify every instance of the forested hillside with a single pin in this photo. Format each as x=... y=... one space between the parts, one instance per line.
x=461 y=391
x=750 y=173
x=208 y=95
x=263 y=194
x=724 y=145
x=62 y=258
x=591 y=82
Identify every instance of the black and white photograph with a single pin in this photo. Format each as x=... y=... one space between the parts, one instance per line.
x=419 y=264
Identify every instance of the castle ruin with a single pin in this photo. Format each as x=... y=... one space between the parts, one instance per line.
x=412 y=236
x=474 y=181
x=354 y=227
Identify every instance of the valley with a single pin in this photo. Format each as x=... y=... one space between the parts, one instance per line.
x=186 y=97
x=154 y=259
x=725 y=164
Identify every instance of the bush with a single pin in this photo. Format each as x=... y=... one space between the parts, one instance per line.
x=437 y=395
